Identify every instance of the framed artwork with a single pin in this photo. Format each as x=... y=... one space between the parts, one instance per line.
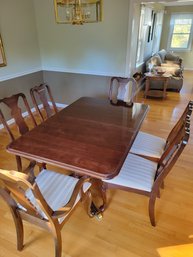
x=2 y=54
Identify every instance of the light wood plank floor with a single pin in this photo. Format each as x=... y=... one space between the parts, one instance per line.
x=125 y=230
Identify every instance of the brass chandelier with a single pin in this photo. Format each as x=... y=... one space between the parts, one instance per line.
x=78 y=12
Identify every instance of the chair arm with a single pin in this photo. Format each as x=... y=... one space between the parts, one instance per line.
x=30 y=171
x=77 y=190
x=17 y=177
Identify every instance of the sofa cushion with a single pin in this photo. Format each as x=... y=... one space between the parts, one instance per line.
x=172 y=69
x=162 y=53
x=172 y=57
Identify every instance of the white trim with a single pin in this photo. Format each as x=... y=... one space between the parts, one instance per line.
x=60 y=105
x=20 y=74
x=188 y=69
x=65 y=70
x=25 y=114
x=132 y=37
x=181 y=3
x=84 y=72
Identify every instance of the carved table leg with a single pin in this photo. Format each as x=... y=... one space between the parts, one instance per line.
x=101 y=189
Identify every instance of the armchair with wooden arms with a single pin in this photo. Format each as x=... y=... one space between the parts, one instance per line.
x=13 y=103
x=46 y=200
x=142 y=176
x=42 y=93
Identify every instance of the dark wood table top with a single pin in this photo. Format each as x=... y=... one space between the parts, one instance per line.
x=90 y=137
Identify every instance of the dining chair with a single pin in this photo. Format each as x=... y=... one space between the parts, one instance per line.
x=142 y=176
x=41 y=94
x=46 y=200
x=122 y=91
x=151 y=146
x=14 y=103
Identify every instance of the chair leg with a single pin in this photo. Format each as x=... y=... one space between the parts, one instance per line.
x=19 y=163
x=16 y=217
x=57 y=240
x=19 y=230
x=152 y=209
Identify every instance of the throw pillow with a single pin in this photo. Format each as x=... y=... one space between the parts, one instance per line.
x=173 y=70
x=156 y=60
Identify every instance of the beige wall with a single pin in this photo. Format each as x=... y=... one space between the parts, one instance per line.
x=17 y=85
x=98 y=48
x=95 y=49
x=68 y=87
x=187 y=56
x=19 y=34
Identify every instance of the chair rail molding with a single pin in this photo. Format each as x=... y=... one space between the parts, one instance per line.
x=19 y=74
x=85 y=72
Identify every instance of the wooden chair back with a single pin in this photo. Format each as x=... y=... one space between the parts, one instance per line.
x=173 y=151
x=42 y=93
x=118 y=94
x=15 y=186
x=12 y=103
x=183 y=120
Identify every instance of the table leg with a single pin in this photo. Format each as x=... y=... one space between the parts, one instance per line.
x=101 y=189
x=147 y=84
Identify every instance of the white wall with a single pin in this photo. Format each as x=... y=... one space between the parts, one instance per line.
x=19 y=34
x=97 y=48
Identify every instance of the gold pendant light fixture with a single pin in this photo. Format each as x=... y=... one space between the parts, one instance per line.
x=78 y=12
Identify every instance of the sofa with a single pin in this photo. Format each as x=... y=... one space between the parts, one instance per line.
x=168 y=63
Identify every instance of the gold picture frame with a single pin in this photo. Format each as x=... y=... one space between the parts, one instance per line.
x=2 y=54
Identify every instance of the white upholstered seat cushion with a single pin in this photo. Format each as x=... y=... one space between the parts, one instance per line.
x=148 y=145
x=136 y=172
x=56 y=189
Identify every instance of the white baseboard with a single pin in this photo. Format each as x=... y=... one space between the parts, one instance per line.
x=59 y=105
x=25 y=114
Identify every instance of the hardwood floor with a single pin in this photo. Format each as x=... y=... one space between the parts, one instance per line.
x=125 y=230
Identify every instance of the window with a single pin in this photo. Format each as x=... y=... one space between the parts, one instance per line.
x=181 y=29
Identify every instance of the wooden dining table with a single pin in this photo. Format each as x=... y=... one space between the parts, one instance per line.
x=89 y=137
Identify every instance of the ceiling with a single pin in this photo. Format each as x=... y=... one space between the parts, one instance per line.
x=179 y=2
x=172 y=2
